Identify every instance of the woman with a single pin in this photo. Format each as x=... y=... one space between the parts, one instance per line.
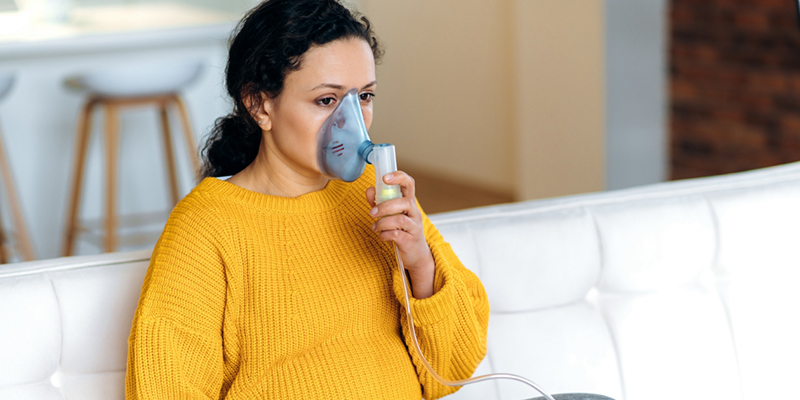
x=279 y=283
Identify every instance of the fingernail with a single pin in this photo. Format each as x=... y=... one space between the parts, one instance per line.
x=373 y=227
x=388 y=178
x=374 y=211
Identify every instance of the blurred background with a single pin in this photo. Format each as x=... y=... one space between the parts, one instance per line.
x=487 y=101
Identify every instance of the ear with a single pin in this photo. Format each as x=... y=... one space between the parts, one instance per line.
x=260 y=110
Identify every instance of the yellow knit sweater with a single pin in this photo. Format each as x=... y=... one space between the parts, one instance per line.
x=251 y=296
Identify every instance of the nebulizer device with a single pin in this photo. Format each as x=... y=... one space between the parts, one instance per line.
x=344 y=149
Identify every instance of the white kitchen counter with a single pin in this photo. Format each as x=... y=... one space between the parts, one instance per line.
x=102 y=28
x=39 y=115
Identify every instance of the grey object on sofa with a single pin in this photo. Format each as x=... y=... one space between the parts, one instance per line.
x=681 y=290
x=576 y=396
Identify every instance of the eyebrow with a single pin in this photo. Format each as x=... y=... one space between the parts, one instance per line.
x=340 y=87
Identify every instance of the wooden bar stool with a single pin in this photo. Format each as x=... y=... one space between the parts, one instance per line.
x=22 y=240
x=114 y=90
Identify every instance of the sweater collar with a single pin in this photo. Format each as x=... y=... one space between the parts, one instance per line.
x=321 y=200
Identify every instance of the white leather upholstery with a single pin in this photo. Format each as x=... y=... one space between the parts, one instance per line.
x=682 y=290
x=692 y=289
x=64 y=325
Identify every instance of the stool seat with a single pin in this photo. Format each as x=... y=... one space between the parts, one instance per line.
x=112 y=90
x=136 y=80
x=5 y=83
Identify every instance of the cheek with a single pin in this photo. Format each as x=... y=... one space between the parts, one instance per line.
x=297 y=135
x=367 y=112
x=308 y=130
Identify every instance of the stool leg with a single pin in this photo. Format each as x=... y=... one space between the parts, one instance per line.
x=169 y=153
x=81 y=147
x=187 y=133
x=21 y=231
x=112 y=149
x=3 y=256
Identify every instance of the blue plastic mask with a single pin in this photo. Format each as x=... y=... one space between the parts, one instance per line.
x=343 y=142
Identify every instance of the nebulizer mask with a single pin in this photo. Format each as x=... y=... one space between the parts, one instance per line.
x=344 y=150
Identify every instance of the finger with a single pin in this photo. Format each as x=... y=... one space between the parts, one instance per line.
x=396 y=235
x=397 y=222
x=371 y=196
x=403 y=206
x=406 y=182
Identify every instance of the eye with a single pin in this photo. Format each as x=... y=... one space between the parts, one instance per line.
x=326 y=101
x=366 y=96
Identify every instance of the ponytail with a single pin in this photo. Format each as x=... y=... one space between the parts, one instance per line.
x=232 y=145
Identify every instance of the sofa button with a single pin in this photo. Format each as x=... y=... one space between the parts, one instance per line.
x=58 y=379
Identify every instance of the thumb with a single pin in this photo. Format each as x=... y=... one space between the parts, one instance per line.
x=371 y=196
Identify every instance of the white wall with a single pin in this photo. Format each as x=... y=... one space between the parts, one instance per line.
x=507 y=95
x=540 y=98
x=444 y=87
x=560 y=88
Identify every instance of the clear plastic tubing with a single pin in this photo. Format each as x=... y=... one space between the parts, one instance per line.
x=383 y=158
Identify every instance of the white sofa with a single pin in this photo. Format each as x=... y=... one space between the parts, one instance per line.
x=681 y=290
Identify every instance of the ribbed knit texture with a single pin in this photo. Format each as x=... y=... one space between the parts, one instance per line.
x=251 y=296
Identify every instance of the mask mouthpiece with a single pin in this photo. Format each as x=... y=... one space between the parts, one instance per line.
x=385 y=162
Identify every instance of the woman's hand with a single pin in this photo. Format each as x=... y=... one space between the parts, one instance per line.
x=400 y=220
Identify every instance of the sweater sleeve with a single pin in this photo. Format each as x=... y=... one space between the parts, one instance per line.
x=175 y=349
x=452 y=324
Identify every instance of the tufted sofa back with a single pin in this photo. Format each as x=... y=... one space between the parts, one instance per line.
x=682 y=290
x=64 y=325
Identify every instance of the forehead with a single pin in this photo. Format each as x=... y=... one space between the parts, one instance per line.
x=348 y=62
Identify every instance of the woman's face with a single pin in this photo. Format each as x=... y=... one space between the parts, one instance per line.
x=309 y=96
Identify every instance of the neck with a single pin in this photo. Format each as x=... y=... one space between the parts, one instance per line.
x=272 y=174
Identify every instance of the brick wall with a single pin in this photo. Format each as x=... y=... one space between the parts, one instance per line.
x=735 y=85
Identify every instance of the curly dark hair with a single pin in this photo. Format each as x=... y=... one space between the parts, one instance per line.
x=269 y=43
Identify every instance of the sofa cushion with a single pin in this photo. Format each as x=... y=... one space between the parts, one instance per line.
x=99 y=304
x=758 y=279
x=39 y=391
x=654 y=243
x=531 y=260
x=30 y=331
x=568 y=347
x=673 y=342
x=67 y=321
